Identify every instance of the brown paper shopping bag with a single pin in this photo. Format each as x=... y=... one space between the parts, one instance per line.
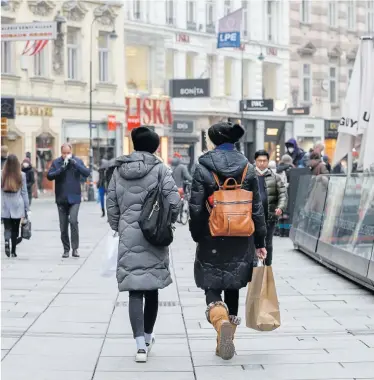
x=262 y=307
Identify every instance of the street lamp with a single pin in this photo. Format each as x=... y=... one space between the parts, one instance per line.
x=112 y=35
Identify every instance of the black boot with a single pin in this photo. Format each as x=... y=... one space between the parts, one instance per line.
x=19 y=240
x=65 y=255
x=75 y=253
x=103 y=212
x=7 y=248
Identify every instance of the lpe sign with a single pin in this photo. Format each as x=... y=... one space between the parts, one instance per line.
x=228 y=39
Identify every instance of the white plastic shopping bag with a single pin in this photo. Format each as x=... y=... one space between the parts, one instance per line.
x=111 y=255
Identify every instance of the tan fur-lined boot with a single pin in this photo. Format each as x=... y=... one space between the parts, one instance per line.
x=217 y=314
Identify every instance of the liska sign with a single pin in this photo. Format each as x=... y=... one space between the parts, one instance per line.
x=148 y=111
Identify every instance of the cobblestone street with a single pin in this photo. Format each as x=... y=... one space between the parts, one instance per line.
x=62 y=320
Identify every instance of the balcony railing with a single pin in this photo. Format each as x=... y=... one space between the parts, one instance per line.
x=211 y=28
x=191 y=25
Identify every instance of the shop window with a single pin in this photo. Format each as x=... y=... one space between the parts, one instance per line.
x=170 y=17
x=333 y=85
x=370 y=16
x=306 y=83
x=103 y=57
x=40 y=63
x=333 y=13
x=305 y=11
x=351 y=10
x=269 y=81
x=137 y=68
x=73 y=53
x=6 y=57
x=228 y=76
x=190 y=65
x=227 y=7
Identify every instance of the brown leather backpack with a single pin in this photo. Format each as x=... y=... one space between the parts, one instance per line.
x=231 y=214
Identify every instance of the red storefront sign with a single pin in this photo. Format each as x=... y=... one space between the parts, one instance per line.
x=112 y=123
x=147 y=111
x=133 y=122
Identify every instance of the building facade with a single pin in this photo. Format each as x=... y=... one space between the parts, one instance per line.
x=52 y=88
x=324 y=37
x=172 y=55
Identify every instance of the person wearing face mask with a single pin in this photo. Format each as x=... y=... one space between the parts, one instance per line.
x=297 y=154
x=30 y=177
x=67 y=171
x=273 y=196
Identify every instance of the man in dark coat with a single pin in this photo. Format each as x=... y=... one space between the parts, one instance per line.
x=67 y=171
x=180 y=172
x=296 y=153
x=30 y=177
x=274 y=198
x=224 y=263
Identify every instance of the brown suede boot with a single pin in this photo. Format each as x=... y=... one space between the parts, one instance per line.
x=218 y=316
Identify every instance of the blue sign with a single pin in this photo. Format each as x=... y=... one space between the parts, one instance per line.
x=228 y=39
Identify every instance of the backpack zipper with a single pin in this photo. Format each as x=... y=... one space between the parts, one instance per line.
x=233 y=202
x=155 y=207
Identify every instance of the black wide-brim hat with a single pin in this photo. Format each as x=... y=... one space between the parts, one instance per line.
x=225 y=132
x=145 y=140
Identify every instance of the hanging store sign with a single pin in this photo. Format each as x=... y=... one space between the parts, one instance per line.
x=112 y=123
x=251 y=105
x=29 y=32
x=144 y=111
x=180 y=126
x=189 y=88
x=8 y=108
x=298 y=111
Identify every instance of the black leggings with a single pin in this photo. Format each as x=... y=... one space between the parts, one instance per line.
x=11 y=231
x=231 y=298
x=143 y=321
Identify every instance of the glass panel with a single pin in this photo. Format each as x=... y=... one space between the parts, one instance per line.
x=71 y=36
x=103 y=40
x=306 y=69
x=137 y=73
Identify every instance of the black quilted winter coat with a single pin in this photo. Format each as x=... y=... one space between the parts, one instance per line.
x=223 y=262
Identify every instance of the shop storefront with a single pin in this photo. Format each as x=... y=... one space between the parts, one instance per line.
x=309 y=131
x=274 y=142
x=331 y=135
x=184 y=139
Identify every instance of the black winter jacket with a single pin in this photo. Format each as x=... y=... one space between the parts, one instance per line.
x=277 y=194
x=223 y=262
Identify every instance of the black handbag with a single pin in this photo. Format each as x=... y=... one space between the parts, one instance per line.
x=155 y=217
x=26 y=230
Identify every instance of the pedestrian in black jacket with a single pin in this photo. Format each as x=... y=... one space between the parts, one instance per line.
x=30 y=177
x=66 y=171
x=224 y=263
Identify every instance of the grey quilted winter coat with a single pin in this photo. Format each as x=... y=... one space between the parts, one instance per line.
x=141 y=266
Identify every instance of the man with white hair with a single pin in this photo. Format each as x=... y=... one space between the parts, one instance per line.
x=317 y=148
x=66 y=171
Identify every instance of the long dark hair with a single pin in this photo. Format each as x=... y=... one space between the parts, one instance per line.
x=11 y=180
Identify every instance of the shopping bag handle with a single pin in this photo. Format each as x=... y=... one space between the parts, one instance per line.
x=260 y=263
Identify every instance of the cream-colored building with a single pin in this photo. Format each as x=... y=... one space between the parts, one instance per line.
x=324 y=36
x=52 y=88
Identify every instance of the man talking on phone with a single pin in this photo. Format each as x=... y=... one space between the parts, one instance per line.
x=67 y=171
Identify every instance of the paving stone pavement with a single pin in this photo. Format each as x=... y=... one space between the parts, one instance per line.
x=61 y=319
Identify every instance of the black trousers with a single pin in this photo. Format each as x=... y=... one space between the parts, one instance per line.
x=29 y=192
x=269 y=242
x=143 y=321
x=11 y=231
x=69 y=214
x=231 y=298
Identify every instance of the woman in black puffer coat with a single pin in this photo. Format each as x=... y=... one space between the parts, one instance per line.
x=224 y=263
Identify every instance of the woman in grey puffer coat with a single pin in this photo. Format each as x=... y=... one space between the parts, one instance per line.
x=142 y=268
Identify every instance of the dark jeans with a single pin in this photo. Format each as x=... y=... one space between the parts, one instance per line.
x=102 y=197
x=29 y=192
x=269 y=242
x=143 y=321
x=231 y=297
x=69 y=213
x=11 y=231
x=40 y=181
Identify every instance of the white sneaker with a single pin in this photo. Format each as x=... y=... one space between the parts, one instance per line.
x=141 y=356
x=150 y=345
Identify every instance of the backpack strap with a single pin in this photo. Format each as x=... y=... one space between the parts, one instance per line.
x=216 y=179
x=244 y=174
